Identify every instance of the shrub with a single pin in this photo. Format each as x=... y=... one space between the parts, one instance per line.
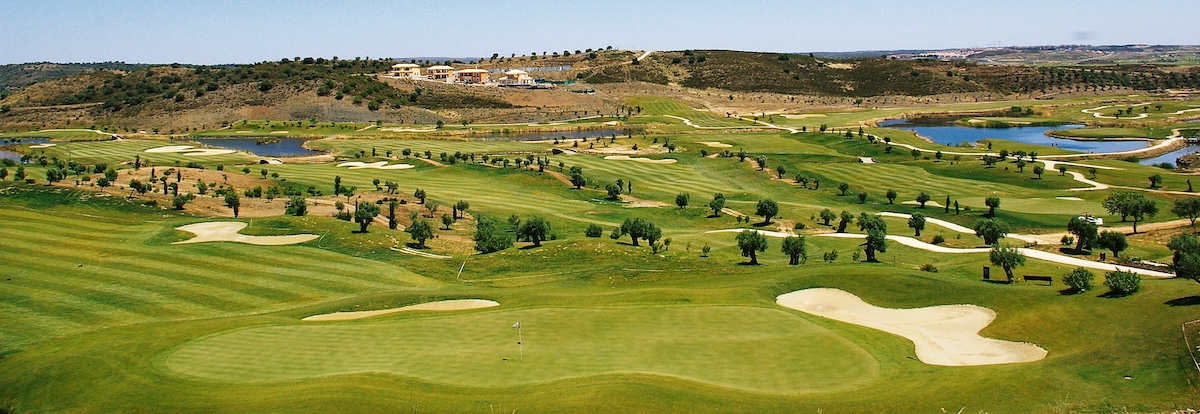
x=1067 y=240
x=1079 y=280
x=799 y=226
x=928 y=268
x=1123 y=282
x=938 y=239
x=593 y=230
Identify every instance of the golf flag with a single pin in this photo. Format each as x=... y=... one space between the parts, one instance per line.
x=517 y=325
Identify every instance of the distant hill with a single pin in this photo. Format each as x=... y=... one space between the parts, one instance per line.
x=24 y=74
x=862 y=77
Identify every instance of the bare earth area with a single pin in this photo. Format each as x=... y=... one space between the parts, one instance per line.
x=227 y=231
x=944 y=335
x=440 y=306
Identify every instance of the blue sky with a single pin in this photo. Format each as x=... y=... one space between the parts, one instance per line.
x=224 y=31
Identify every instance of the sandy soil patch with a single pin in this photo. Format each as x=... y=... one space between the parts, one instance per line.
x=1069 y=198
x=227 y=231
x=440 y=306
x=844 y=66
x=634 y=202
x=611 y=123
x=803 y=116
x=414 y=252
x=639 y=159
x=930 y=203
x=189 y=151
x=715 y=144
x=406 y=130
x=42 y=146
x=945 y=335
x=768 y=233
x=381 y=165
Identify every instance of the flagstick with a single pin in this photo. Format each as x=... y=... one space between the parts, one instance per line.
x=520 y=346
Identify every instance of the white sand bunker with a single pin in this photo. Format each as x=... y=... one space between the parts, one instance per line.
x=441 y=306
x=190 y=151
x=715 y=144
x=406 y=130
x=944 y=335
x=1069 y=198
x=930 y=203
x=640 y=159
x=42 y=145
x=381 y=165
x=281 y=132
x=227 y=231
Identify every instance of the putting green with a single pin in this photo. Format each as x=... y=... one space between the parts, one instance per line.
x=748 y=348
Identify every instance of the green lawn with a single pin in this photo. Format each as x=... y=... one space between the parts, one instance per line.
x=710 y=344
x=103 y=314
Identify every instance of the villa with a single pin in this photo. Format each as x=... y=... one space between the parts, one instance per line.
x=516 y=78
x=439 y=72
x=471 y=76
x=406 y=70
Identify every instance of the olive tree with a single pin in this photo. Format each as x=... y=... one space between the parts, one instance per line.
x=796 y=250
x=767 y=208
x=489 y=237
x=535 y=229
x=751 y=243
x=917 y=223
x=717 y=204
x=876 y=230
x=1114 y=241
x=420 y=230
x=991 y=230
x=364 y=214
x=1007 y=258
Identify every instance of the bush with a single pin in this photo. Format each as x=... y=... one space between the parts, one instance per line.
x=928 y=268
x=938 y=239
x=593 y=230
x=1123 y=282
x=1067 y=240
x=1079 y=280
x=799 y=226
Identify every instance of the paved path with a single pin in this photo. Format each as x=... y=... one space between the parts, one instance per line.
x=1036 y=254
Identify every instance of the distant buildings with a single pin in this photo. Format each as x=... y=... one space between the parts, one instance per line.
x=471 y=76
x=406 y=70
x=443 y=73
x=439 y=72
x=517 y=78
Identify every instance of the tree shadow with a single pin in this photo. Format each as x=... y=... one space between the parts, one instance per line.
x=1073 y=251
x=1112 y=294
x=762 y=224
x=1070 y=291
x=530 y=247
x=997 y=281
x=415 y=246
x=747 y=263
x=1184 y=301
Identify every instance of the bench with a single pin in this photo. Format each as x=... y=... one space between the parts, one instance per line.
x=1049 y=280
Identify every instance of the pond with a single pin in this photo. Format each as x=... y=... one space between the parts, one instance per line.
x=543 y=136
x=270 y=147
x=954 y=135
x=16 y=156
x=1170 y=157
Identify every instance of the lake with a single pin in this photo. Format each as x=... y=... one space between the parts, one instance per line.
x=284 y=147
x=954 y=135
